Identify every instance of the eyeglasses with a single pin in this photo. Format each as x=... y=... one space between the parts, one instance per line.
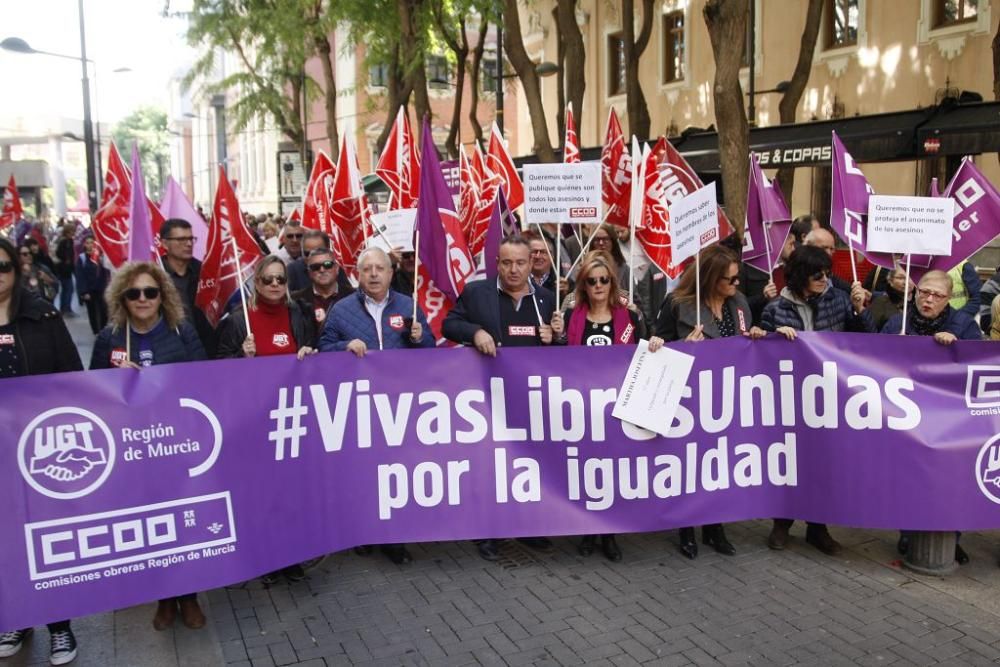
x=601 y=239
x=182 y=239
x=538 y=253
x=293 y=236
x=270 y=280
x=24 y=253
x=6 y=267
x=134 y=293
x=819 y=275
x=930 y=294
x=604 y=280
x=320 y=266
x=732 y=280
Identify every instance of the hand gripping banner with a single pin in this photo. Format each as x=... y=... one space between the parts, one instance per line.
x=123 y=486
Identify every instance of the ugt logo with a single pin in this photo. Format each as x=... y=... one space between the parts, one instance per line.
x=988 y=469
x=66 y=453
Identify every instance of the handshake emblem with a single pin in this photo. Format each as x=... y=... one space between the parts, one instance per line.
x=68 y=465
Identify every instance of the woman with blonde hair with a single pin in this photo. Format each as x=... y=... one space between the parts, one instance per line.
x=146 y=327
x=598 y=318
x=995 y=322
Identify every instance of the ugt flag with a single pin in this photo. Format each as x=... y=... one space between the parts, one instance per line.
x=12 y=209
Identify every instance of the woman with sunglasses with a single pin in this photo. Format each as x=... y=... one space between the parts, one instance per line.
x=598 y=319
x=33 y=341
x=278 y=325
x=146 y=327
x=810 y=302
x=724 y=312
x=36 y=277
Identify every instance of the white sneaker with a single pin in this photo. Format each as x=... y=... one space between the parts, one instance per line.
x=11 y=642
x=63 y=649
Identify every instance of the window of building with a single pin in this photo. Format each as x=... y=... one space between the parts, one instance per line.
x=378 y=76
x=673 y=43
x=438 y=72
x=488 y=75
x=842 y=17
x=616 y=64
x=950 y=12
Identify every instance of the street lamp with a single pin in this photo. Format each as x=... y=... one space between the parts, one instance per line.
x=18 y=45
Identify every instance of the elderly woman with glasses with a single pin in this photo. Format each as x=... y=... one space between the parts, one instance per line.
x=809 y=302
x=598 y=319
x=723 y=312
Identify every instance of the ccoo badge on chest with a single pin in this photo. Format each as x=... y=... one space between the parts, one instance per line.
x=397 y=322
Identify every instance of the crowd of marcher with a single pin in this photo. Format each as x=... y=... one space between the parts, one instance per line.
x=300 y=302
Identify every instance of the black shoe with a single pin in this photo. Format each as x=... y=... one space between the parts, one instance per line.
x=586 y=546
x=489 y=550
x=903 y=545
x=688 y=544
x=294 y=573
x=397 y=553
x=62 y=647
x=960 y=556
x=609 y=546
x=542 y=544
x=715 y=537
x=271 y=578
x=11 y=642
x=820 y=538
x=364 y=550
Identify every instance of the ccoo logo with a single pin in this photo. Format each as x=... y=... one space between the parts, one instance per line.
x=66 y=453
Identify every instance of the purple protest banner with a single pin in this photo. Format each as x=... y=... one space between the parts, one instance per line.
x=124 y=486
x=768 y=221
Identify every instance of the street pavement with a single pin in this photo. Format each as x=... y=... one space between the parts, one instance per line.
x=449 y=607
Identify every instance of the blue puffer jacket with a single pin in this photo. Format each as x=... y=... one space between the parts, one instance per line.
x=956 y=322
x=168 y=345
x=832 y=311
x=349 y=320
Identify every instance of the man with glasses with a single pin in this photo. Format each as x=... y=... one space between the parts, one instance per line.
x=298 y=274
x=177 y=237
x=291 y=242
x=323 y=291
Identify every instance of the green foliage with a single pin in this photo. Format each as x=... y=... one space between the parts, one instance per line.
x=147 y=128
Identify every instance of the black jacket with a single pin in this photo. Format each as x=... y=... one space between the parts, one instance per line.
x=479 y=308
x=233 y=331
x=187 y=286
x=43 y=342
x=169 y=346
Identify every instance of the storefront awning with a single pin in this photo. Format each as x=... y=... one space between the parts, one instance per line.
x=964 y=129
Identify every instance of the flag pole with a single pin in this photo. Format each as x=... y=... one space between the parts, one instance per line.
x=631 y=258
x=542 y=232
x=854 y=265
x=767 y=249
x=556 y=267
x=697 y=288
x=906 y=291
x=128 y=339
x=239 y=274
x=416 y=270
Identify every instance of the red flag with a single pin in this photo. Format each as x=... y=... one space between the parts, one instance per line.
x=110 y=223
x=12 y=209
x=351 y=213
x=470 y=191
x=571 y=144
x=653 y=233
x=679 y=180
x=296 y=215
x=316 y=206
x=399 y=164
x=498 y=161
x=616 y=168
x=219 y=275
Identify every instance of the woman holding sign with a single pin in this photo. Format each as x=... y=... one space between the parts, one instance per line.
x=596 y=320
x=724 y=312
x=809 y=302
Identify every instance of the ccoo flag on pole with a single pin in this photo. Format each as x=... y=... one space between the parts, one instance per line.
x=140 y=232
x=12 y=209
x=768 y=221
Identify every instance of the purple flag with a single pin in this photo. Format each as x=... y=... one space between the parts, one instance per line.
x=443 y=252
x=502 y=223
x=140 y=230
x=977 y=217
x=849 y=204
x=768 y=221
x=175 y=204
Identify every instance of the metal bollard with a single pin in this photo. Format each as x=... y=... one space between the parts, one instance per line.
x=931 y=552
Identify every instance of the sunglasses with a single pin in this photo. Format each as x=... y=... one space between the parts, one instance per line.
x=134 y=293
x=732 y=280
x=293 y=236
x=318 y=266
x=820 y=275
x=270 y=280
x=604 y=280
x=6 y=267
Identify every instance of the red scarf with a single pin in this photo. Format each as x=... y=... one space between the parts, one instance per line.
x=272 y=329
x=622 y=324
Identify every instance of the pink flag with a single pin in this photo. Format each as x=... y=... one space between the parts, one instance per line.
x=140 y=232
x=12 y=209
x=616 y=168
x=175 y=204
x=498 y=161
x=399 y=165
x=571 y=144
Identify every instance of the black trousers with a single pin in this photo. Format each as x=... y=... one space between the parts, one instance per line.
x=97 y=312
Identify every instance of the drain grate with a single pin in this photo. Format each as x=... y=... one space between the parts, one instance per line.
x=513 y=555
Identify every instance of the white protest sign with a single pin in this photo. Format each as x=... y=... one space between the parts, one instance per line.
x=651 y=392
x=396 y=228
x=910 y=225
x=694 y=223
x=563 y=193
